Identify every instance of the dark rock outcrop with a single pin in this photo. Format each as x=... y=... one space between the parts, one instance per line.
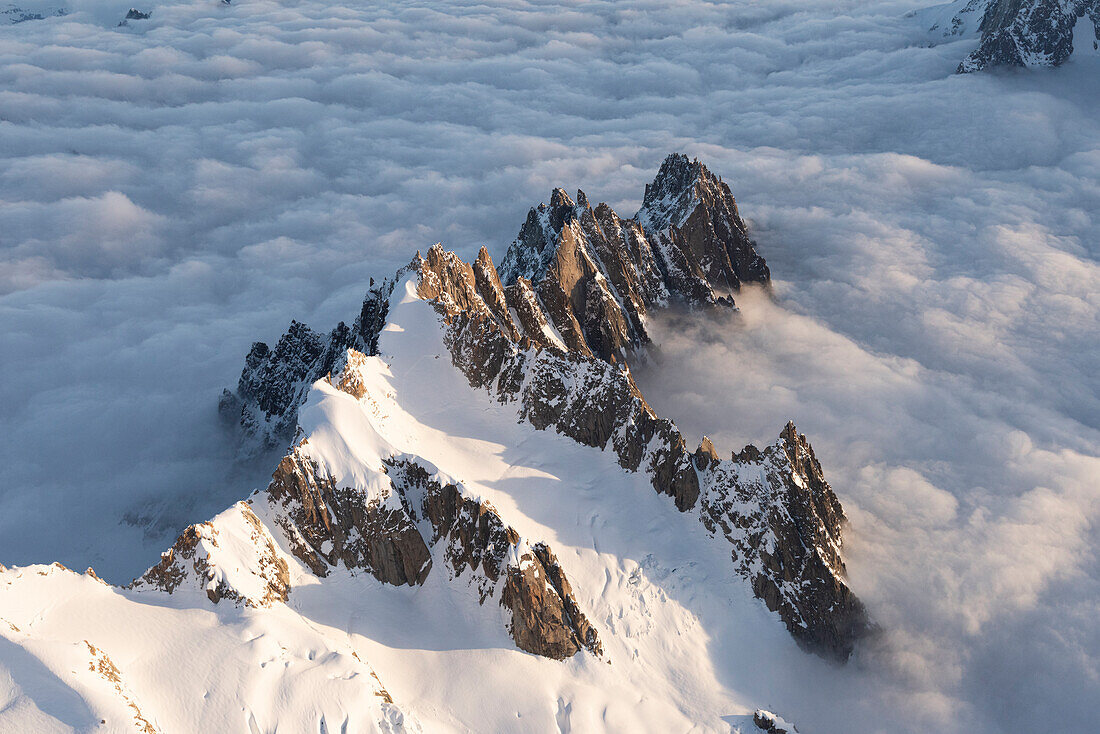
x=785 y=524
x=274 y=382
x=701 y=238
x=1030 y=32
x=768 y=722
x=134 y=14
x=961 y=19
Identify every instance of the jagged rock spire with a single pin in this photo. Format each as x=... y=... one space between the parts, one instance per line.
x=692 y=216
x=677 y=176
x=597 y=274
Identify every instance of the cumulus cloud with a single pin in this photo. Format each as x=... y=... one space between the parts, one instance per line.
x=173 y=189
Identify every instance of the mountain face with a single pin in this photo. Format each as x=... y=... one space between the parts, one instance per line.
x=13 y=13
x=472 y=466
x=1020 y=32
x=787 y=544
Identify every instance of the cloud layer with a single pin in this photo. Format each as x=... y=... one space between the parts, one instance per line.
x=173 y=189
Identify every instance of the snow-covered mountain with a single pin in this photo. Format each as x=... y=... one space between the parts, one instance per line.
x=1018 y=32
x=480 y=523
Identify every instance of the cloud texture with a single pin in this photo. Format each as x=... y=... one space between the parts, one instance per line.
x=174 y=189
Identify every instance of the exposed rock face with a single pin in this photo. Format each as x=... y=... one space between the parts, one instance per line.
x=202 y=557
x=595 y=275
x=1030 y=32
x=785 y=524
x=545 y=617
x=327 y=525
x=594 y=402
x=701 y=238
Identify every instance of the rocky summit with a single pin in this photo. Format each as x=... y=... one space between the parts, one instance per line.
x=596 y=275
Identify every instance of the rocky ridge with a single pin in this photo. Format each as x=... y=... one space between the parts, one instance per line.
x=16 y=14
x=552 y=337
x=576 y=279
x=774 y=506
x=253 y=573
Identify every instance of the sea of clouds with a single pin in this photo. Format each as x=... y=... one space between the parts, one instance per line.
x=173 y=189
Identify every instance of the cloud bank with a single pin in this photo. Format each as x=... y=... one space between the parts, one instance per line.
x=173 y=189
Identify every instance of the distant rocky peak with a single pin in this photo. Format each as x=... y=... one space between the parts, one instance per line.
x=560 y=201
x=1027 y=33
x=691 y=218
x=680 y=185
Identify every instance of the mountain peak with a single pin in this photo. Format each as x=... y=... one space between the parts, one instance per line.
x=677 y=175
x=559 y=198
x=598 y=274
x=692 y=218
